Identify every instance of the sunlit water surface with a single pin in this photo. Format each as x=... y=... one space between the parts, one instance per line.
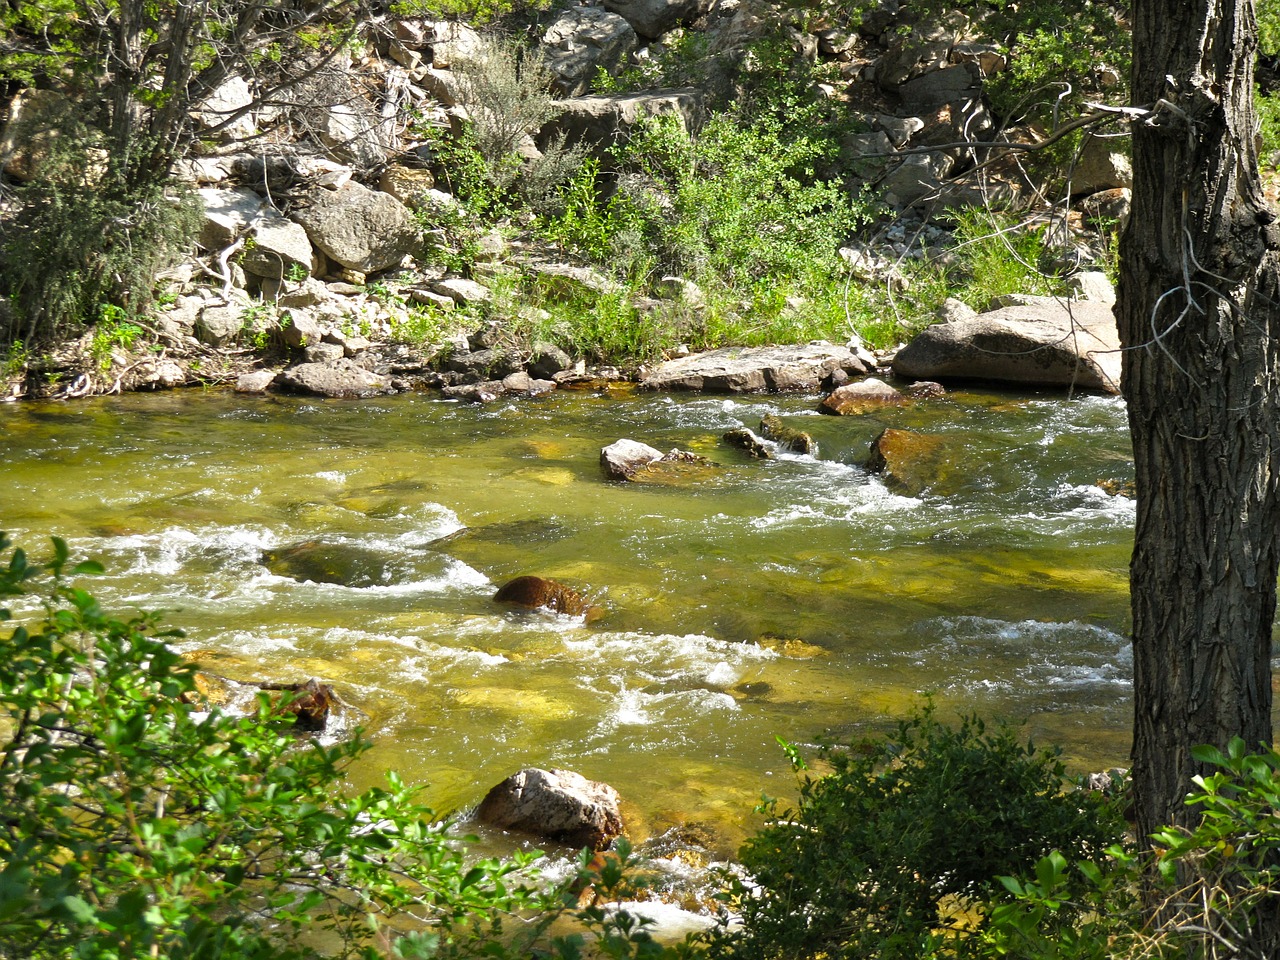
x=792 y=598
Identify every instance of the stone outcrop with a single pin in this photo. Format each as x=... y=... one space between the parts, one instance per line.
x=328 y=561
x=755 y=369
x=1044 y=342
x=559 y=805
x=600 y=122
x=582 y=40
x=362 y=229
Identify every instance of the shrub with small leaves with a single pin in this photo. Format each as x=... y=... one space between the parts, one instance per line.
x=905 y=837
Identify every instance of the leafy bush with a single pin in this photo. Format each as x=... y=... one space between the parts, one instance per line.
x=83 y=239
x=140 y=822
x=901 y=827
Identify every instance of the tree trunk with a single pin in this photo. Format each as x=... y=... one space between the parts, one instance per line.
x=1199 y=315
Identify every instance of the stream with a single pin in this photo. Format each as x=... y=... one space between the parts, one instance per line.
x=796 y=597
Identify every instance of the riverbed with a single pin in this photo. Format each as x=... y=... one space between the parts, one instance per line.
x=795 y=598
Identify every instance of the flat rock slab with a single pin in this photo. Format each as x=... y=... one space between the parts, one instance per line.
x=338 y=378
x=754 y=369
x=1042 y=343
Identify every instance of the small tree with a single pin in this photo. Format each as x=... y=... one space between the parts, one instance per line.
x=137 y=822
x=123 y=77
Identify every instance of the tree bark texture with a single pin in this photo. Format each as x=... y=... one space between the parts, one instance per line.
x=1199 y=316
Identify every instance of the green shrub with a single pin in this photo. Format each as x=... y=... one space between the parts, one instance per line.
x=83 y=238
x=139 y=822
x=901 y=827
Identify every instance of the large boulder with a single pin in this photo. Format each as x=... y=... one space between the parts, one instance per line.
x=653 y=18
x=601 y=122
x=1044 y=342
x=338 y=378
x=556 y=804
x=581 y=41
x=359 y=228
x=755 y=369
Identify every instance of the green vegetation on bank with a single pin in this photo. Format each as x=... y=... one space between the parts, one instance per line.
x=140 y=821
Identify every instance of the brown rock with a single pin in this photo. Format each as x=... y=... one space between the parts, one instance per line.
x=861 y=397
x=786 y=437
x=744 y=439
x=557 y=804
x=908 y=461
x=540 y=593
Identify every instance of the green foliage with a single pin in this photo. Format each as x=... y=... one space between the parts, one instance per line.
x=478 y=12
x=114 y=328
x=1268 y=106
x=1225 y=869
x=83 y=238
x=1212 y=883
x=1268 y=13
x=138 y=822
x=738 y=206
x=902 y=826
x=999 y=254
x=680 y=60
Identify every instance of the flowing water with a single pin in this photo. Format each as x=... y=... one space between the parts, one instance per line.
x=791 y=598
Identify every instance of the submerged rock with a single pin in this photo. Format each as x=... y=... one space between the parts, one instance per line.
x=557 y=804
x=325 y=561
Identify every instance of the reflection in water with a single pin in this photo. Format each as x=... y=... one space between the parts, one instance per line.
x=793 y=597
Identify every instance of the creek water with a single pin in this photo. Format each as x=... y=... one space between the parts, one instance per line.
x=793 y=598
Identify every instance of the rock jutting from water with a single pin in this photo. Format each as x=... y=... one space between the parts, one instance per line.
x=540 y=593
x=556 y=804
x=788 y=438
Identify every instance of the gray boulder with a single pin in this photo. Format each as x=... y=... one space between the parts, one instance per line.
x=339 y=378
x=227 y=215
x=1044 y=342
x=622 y=459
x=600 y=122
x=754 y=369
x=581 y=41
x=359 y=228
x=279 y=246
x=653 y=18
x=557 y=804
